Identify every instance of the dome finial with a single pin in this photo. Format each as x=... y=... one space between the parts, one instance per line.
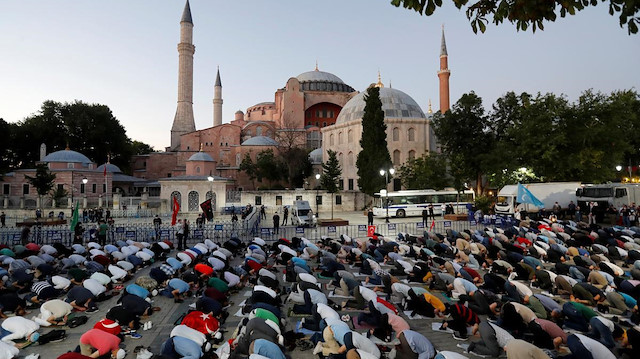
x=67 y=148
x=379 y=84
x=317 y=65
x=108 y=158
x=429 y=110
x=201 y=147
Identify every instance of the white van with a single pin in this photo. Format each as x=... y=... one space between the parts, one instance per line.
x=302 y=214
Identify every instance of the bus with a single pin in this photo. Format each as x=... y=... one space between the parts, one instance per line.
x=413 y=202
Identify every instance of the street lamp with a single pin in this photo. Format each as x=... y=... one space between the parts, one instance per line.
x=317 y=191
x=386 y=174
x=210 y=179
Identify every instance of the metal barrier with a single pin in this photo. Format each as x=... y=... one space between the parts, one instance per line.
x=245 y=230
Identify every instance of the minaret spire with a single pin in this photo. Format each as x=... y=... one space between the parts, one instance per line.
x=317 y=65
x=217 y=101
x=444 y=75
x=379 y=84
x=183 y=122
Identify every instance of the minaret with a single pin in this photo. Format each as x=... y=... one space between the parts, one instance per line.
x=443 y=75
x=217 y=101
x=183 y=122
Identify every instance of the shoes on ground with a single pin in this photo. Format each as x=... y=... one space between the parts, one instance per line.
x=133 y=335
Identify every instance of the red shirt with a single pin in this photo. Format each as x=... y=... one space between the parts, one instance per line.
x=204 y=323
x=203 y=269
x=73 y=355
x=387 y=304
x=254 y=265
x=215 y=294
x=102 y=341
x=108 y=326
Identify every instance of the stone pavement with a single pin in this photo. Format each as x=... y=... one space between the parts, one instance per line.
x=165 y=320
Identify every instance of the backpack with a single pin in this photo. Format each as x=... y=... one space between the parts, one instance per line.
x=77 y=321
x=52 y=336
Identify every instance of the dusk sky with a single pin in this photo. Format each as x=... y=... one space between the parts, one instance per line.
x=123 y=54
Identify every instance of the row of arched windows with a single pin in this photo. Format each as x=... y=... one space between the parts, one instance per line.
x=193 y=200
x=411 y=134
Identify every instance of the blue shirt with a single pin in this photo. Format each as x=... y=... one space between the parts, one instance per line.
x=179 y=284
x=137 y=290
x=339 y=328
x=174 y=263
x=419 y=344
x=267 y=349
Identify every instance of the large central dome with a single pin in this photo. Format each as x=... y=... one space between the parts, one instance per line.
x=322 y=81
x=395 y=104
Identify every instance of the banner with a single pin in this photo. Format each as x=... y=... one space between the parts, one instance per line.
x=371 y=230
x=74 y=220
x=207 y=210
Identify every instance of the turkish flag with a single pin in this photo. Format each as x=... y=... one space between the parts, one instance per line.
x=176 y=209
x=371 y=230
x=206 y=208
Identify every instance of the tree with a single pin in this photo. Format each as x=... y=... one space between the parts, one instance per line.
x=331 y=173
x=526 y=13
x=43 y=181
x=268 y=167
x=90 y=129
x=292 y=153
x=249 y=167
x=427 y=171
x=140 y=148
x=374 y=155
x=463 y=136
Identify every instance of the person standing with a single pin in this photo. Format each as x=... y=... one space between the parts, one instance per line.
x=370 y=217
x=285 y=215
x=571 y=209
x=179 y=233
x=276 y=223
x=102 y=232
x=3 y=219
x=263 y=212
x=592 y=213
x=157 y=222
x=186 y=232
x=425 y=217
x=431 y=214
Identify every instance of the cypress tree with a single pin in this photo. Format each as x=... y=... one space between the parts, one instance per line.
x=374 y=155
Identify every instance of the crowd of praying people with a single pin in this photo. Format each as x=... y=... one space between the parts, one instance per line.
x=537 y=289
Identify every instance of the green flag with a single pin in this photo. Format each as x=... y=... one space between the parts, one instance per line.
x=74 y=219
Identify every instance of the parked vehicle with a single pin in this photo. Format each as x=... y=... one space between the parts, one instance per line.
x=413 y=202
x=616 y=194
x=302 y=215
x=548 y=193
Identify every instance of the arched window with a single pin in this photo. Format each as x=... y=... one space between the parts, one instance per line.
x=197 y=169
x=411 y=134
x=178 y=198
x=339 y=138
x=396 y=157
x=396 y=134
x=194 y=201
x=350 y=158
x=341 y=159
x=238 y=159
x=258 y=131
x=350 y=136
x=412 y=154
x=331 y=139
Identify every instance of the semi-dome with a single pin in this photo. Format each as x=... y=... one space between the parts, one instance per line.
x=110 y=168
x=201 y=156
x=395 y=104
x=315 y=156
x=260 y=141
x=67 y=156
x=322 y=81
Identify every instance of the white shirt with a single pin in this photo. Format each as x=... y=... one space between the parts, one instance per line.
x=306 y=277
x=117 y=272
x=189 y=333
x=231 y=279
x=19 y=327
x=48 y=249
x=368 y=294
x=94 y=286
x=8 y=351
x=326 y=311
x=597 y=349
x=60 y=282
x=401 y=288
x=522 y=289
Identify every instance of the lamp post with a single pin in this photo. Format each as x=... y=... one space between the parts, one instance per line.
x=210 y=179
x=84 y=182
x=317 y=191
x=386 y=174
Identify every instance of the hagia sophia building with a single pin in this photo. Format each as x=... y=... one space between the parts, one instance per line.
x=316 y=108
